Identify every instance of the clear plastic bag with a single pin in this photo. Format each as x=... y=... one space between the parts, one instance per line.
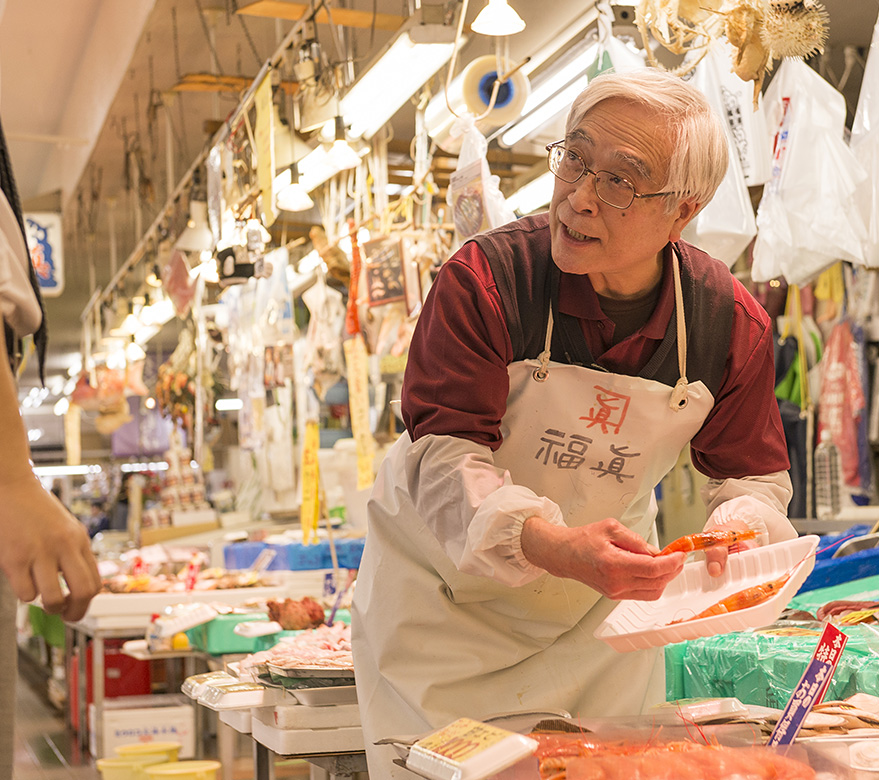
x=475 y=197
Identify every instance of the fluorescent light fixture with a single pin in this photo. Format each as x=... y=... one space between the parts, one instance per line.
x=532 y=196
x=549 y=110
x=318 y=166
x=65 y=471
x=554 y=94
x=229 y=404
x=416 y=53
x=497 y=18
x=128 y=468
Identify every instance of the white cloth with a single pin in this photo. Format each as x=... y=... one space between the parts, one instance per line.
x=19 y=306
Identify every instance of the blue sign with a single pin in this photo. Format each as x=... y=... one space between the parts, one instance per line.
x=44 y=238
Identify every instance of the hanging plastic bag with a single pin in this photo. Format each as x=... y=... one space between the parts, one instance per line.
x=726 y=225
x=865 y=147
x=474 y=196
x=808 y=217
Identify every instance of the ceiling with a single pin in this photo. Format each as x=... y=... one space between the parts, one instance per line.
x=97 y=121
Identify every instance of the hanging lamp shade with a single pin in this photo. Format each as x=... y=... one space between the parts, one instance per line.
x=292 y=196
x=497 y=18
x=341 y=154
x=196 y=236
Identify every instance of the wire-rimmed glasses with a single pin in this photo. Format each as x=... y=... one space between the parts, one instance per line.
x=611 y=189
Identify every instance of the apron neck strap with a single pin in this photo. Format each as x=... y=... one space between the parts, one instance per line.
x=678 y=398
x=542 y=371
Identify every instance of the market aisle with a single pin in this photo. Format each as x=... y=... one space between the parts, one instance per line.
x=45 y=750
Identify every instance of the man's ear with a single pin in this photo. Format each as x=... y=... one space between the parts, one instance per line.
x=683 y=214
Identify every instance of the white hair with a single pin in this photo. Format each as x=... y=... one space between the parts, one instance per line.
x=700 y=149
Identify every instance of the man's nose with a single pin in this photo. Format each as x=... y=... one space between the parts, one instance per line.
x=583 y=196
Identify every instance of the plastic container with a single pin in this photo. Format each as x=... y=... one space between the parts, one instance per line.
x=828 y=478
x=184 y=770
x=126 y=768
x=636 y=625
x=218 y=636
x=155 y=752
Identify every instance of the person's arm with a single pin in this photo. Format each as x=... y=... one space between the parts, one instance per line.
x=454 y=398
x=741 y=447
x=41 y=539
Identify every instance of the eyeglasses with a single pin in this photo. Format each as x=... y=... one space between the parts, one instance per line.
x=614 y=190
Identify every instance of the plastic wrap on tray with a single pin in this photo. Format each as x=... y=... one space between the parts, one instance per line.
x=763 y=666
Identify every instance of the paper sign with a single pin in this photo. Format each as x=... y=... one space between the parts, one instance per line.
x=265 y=151
x=44 y=239
x=309 y=512
x=358 y=402
x=812 y=686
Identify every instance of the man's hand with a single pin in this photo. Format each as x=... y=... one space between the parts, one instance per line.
x=716 y=557
x=41 y=540
x=606 y=556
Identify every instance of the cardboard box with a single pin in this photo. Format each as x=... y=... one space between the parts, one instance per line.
x=139 y=719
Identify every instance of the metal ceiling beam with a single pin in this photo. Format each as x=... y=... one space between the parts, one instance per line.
x=345 y=17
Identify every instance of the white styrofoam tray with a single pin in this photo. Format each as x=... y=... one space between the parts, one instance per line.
x=636 y=625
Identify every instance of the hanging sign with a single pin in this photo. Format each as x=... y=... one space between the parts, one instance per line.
x=358 y=402
x=265 y=147
x=812 y=686
x=44 y=239
x=309 y=512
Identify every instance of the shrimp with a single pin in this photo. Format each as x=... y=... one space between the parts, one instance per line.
x=706 y=539
x=749 y=597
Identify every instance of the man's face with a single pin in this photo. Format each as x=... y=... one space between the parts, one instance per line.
x=618 y=248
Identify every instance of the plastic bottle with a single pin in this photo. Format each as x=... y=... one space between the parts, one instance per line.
x=827 y=478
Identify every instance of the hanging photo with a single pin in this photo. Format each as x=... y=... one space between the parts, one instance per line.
x=278 y=365
x=384 y=270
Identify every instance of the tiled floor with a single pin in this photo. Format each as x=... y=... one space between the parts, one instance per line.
x=46 y=750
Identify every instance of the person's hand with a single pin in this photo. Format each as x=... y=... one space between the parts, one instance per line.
x=716 y=557
x=41 y=540
x=605 y=555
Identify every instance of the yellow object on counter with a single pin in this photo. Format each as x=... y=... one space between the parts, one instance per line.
x=140 y=751
x=184 y=770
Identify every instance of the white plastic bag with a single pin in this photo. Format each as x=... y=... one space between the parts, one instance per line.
x=474 y=196
x=809 y=216
x=865 y=146
x=726 y=225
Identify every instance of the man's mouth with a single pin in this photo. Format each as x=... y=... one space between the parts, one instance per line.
x=575 y=235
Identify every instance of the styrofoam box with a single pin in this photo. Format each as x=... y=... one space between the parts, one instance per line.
x=239 y=720
x=291 y=742
x=142 y=719
x=636 y=625
x=298 y=716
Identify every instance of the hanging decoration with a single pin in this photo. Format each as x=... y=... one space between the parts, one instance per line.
x=760 y=31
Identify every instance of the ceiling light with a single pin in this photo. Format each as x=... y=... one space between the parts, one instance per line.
x=154 y=277
x=291 y=195
x=64 y=471
x=229 y=404
x=416 y=53
x=197 y=236
x=341 y=153
x=497 y=18
x=554 y=94
x=61 y=407
x=317 y=166
x=133 y=351
x=532 y=196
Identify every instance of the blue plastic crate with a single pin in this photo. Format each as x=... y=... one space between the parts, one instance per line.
x=835 y=571
x=241 y=555
x=302 y=557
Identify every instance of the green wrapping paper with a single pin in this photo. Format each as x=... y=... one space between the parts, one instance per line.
x=763 y=666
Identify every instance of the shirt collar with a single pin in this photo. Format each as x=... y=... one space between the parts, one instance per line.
x=577 y=298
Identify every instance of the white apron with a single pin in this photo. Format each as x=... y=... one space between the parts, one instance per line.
x=432 y=644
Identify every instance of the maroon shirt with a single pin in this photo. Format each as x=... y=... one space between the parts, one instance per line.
x=456 y=380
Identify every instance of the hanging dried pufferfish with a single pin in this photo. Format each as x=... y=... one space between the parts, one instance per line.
x=795 y=28
x=744 y=30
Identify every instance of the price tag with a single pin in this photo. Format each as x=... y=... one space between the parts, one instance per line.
x=812 y=686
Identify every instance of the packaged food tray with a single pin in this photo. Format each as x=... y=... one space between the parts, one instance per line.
x=635 y=625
